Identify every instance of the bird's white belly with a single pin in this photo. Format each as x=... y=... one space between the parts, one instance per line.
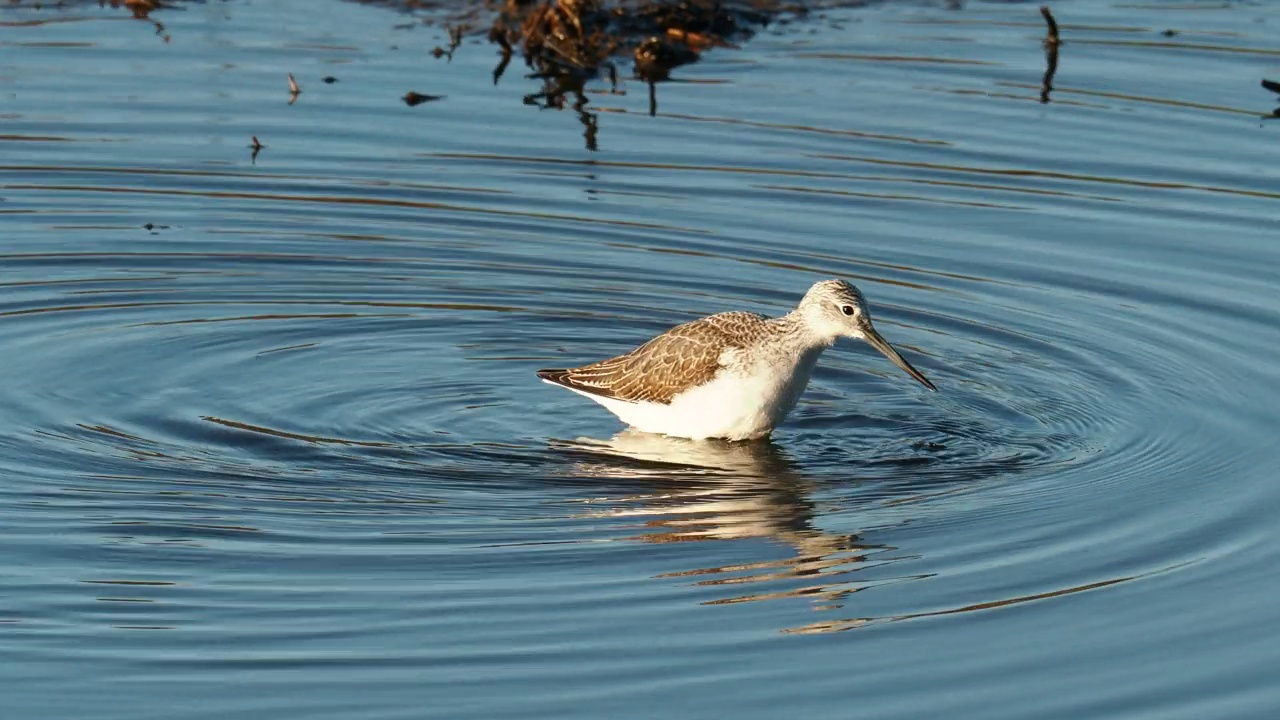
x=734 y=405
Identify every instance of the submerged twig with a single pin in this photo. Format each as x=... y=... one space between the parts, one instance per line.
x=1052 y=38
x=257 y=148
x=294 y=90
x=1052 y=42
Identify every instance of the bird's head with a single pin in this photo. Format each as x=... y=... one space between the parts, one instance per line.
x=834 y=309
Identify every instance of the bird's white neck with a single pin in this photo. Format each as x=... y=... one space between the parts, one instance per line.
x=799 y=331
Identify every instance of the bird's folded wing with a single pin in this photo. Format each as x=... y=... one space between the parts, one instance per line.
x=682 y=358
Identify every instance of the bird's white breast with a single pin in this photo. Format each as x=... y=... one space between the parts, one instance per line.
x=739 y=403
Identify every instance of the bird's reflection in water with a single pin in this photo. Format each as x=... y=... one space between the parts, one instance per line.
x=707 y=490
x=699 y=490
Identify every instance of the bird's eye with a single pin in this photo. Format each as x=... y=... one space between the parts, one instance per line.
x=847 y=309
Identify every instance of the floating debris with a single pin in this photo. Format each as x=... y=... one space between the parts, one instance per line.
x=413 y=99
x=328 y=79
x=257 y=148
x=294 y=90
x=1274 y=87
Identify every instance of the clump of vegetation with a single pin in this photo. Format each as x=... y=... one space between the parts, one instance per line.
x=568 y=42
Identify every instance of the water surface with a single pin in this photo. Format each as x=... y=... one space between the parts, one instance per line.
x=271 y=441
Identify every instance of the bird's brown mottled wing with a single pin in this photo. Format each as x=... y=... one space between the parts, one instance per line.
x=681 y=358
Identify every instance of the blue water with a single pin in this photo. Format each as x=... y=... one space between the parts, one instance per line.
x=271 y=442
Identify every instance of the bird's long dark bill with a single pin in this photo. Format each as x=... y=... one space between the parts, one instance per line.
x=884 y=347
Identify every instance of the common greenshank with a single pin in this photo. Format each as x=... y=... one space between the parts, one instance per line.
x=732 y=375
